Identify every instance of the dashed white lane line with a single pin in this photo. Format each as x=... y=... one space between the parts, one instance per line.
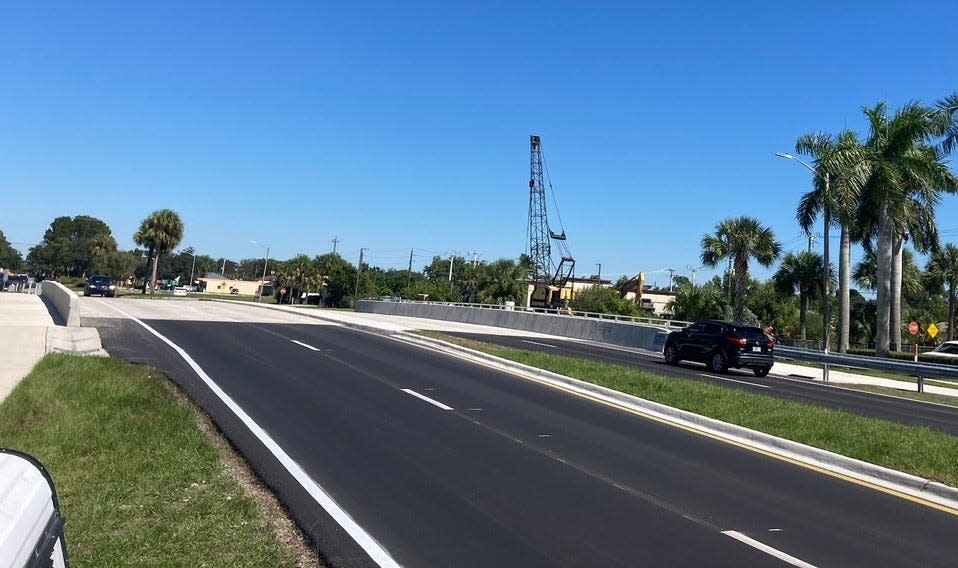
x=427 y=399
x=540 y=344
x=735 y=381
x=768 y=549
x=366 y=541
x=306 y=345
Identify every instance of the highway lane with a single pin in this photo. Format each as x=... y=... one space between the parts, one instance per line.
x=516 y=474
x=936 y=416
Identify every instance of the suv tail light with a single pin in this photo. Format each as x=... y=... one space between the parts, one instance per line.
x=738 y=341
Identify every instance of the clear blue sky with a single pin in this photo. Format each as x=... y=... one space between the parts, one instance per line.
x=405 y=125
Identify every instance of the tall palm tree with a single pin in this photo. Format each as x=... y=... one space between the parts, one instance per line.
x=160 y=232
x=740 y=240
x=901 y=168
x=804 y=272
x=943 y=268
x=947 y=123
x=841 y=160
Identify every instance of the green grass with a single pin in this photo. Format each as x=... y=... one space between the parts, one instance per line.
x=916 y=450
x=138 y=481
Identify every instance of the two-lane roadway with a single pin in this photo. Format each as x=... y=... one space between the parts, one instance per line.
x=441 y=462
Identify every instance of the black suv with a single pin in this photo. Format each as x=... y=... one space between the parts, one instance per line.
x=102 y=285
x=720 y=345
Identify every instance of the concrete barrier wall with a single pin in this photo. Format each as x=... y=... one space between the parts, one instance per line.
x=617 y=333
x=63 y=301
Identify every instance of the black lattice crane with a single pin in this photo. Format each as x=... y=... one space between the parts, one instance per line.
x=548 y=277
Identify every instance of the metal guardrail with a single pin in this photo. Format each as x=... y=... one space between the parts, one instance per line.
x=921 y=371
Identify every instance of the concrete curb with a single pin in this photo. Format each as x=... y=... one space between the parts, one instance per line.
x=868 y=473
x=75 y=340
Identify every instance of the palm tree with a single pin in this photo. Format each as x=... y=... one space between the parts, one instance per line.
x=943 y=269
x=804 y=272
x=947 y=123
x=699 y=302
x=901 y=169
x=507 y=281
x=841 y=160
x=739 y=240
x=160 y=232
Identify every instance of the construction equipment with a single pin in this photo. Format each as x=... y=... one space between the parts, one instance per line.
x=548 y=278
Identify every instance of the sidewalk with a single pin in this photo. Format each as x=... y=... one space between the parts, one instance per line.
x=28 y=332
x=24 y=321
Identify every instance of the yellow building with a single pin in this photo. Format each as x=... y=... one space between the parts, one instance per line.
x=214 y=283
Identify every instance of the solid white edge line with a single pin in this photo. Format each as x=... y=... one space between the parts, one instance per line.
x=427 y=399
x=537 y=343
x=768 y=549
x=358 y=534
x=306 y=345
x=735 y=381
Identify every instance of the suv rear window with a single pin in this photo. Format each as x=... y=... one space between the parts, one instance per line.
x=750 y=332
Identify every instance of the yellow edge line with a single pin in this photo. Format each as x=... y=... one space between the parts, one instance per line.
x=692 y=429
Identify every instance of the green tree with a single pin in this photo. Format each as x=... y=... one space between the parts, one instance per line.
x=902 y=168
x=506 y=280
x=839 y=172
x=740 y=240
x=706 y=301
x=297 y=275
x=9 y=257
x=604 y=300
x=338 y=278
x=803 y=272
x=943 y=270
x=74 y=246
x=160 y=232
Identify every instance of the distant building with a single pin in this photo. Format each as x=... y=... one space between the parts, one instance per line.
x=215 y=283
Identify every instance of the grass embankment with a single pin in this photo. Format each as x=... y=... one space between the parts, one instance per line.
x=916 y=450
x=138 y=481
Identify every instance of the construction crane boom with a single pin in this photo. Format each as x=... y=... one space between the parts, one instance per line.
x=548 y=276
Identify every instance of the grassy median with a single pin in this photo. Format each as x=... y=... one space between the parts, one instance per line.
x=139 y=482
x=912 y=449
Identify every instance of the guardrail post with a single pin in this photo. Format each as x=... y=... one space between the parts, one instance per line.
x=921 y=384
x=825 y=373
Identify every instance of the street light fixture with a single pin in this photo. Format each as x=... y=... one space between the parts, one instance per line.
x=826 y=308
x=262 y=282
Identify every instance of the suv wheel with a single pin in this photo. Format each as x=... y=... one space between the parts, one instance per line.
x=762 y=371
x=718 y=362
x=671 y=354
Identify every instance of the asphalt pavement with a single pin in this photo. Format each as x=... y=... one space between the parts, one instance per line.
x=447 y=463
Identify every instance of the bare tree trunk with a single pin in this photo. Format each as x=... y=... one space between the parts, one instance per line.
x=156 y=263
x=894 y=317
x=883 y=254
x=802 y=316
x=844 y=280
x=741 y=281
x=951 y=310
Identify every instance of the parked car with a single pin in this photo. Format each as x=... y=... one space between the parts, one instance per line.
x=721 y=345
x=102 y=285
x=947 y=349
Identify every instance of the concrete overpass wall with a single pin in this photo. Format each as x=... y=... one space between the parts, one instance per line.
x=617 y=333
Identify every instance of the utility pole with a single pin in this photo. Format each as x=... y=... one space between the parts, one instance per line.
x=599 y=276
x=262 y=283
x=335 y=242
x=409 y=271
x=359 y=270
x=452 y=259
x=671 y=272
x=693 y=270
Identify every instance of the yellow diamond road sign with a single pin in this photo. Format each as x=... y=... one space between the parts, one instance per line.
x=932 y=330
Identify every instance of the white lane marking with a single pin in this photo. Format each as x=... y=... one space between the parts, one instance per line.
x=735 y=381
x=537 y=343
x=427 y=399
x=306 y=345
x=768 y=549
x=359 y=534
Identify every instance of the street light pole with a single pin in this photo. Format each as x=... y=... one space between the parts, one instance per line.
x=262 y=282
x=826 y=303
x=192 y=270
x=359 y=270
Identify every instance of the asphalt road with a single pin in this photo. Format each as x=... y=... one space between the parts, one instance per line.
x=935 y=416
x=446 y=463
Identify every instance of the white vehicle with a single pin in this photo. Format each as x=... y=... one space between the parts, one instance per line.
x=946 y=349
x=181 y=291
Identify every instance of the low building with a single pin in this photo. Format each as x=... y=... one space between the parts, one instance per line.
x=214 y=283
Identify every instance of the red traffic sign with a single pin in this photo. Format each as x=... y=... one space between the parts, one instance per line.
x=913 y=328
